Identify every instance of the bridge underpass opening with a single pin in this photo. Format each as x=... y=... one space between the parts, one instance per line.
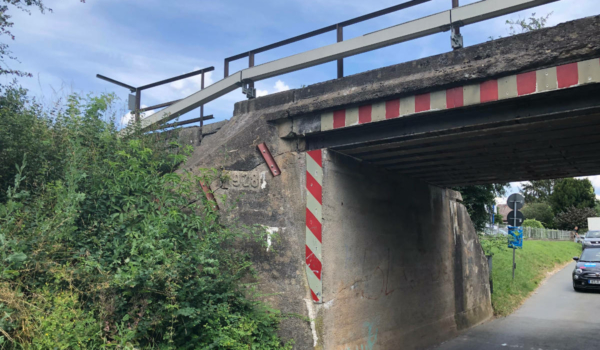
x=543 y=136
x=398 y=258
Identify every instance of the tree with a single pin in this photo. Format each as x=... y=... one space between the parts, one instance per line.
x=541 y=212
x=570 y=192
x=478 y=198
x=537 y=190
x=532 y=223
x=571 y=217
x=5 y=29
x=498 y=219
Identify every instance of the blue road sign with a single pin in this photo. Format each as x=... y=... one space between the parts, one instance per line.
x=515 y=237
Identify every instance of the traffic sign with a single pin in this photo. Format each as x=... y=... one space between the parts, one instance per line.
x=516 y=200
x=511 y=218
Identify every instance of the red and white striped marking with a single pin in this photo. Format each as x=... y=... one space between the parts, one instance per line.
x=543 y=80
x=314 y=204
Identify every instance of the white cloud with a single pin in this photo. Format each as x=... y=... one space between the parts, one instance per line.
x=191 y=85
x=278 y=87
x=178 y=85
x=281 y=86
x=595 y=180
x=127 y=118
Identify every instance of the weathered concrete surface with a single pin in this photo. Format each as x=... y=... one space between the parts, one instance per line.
x=432 y=278
x=277 y=203
x=565 y=43
x=402 y=266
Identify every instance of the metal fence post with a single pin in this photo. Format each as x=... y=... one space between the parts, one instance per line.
x=340 y=62
x=138 y=104
x=456 y=39
x=201 y=110
x=250 y=65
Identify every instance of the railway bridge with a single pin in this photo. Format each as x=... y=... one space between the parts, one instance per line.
x=367 y=238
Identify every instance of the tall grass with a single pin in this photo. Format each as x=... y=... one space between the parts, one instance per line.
x=534 y=261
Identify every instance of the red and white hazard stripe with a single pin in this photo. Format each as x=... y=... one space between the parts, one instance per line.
x=314 y=204
x=540 y=81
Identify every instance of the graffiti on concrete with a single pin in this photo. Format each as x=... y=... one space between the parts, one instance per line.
x=377 y=279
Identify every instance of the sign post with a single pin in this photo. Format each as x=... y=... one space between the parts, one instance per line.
x=515 y=202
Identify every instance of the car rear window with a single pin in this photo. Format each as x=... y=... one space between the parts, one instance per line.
x=591 y=254
x=592 y=234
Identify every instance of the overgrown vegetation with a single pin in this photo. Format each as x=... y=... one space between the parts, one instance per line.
x=534 y=261
x=104 y=245
x=524 y=25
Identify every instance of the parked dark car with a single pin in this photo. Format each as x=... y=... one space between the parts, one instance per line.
x=591 y=239
x=586 y=274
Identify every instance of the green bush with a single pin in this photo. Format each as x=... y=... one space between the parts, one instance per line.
x=541 y=212
x=107 y=246
x=493 y=243
x=532 y=223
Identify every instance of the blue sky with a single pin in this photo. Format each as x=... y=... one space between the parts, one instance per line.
x=142 y=41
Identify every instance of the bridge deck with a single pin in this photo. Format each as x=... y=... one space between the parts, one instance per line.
x=541 y=137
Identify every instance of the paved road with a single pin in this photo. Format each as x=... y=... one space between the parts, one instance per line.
x=555 y=318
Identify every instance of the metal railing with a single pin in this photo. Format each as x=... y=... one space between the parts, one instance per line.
x=532 y=233
x=440 y=22
x=542 y=233
x=338 y=27
x=136 y=107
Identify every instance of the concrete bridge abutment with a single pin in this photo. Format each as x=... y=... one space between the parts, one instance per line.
x=396 y=262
